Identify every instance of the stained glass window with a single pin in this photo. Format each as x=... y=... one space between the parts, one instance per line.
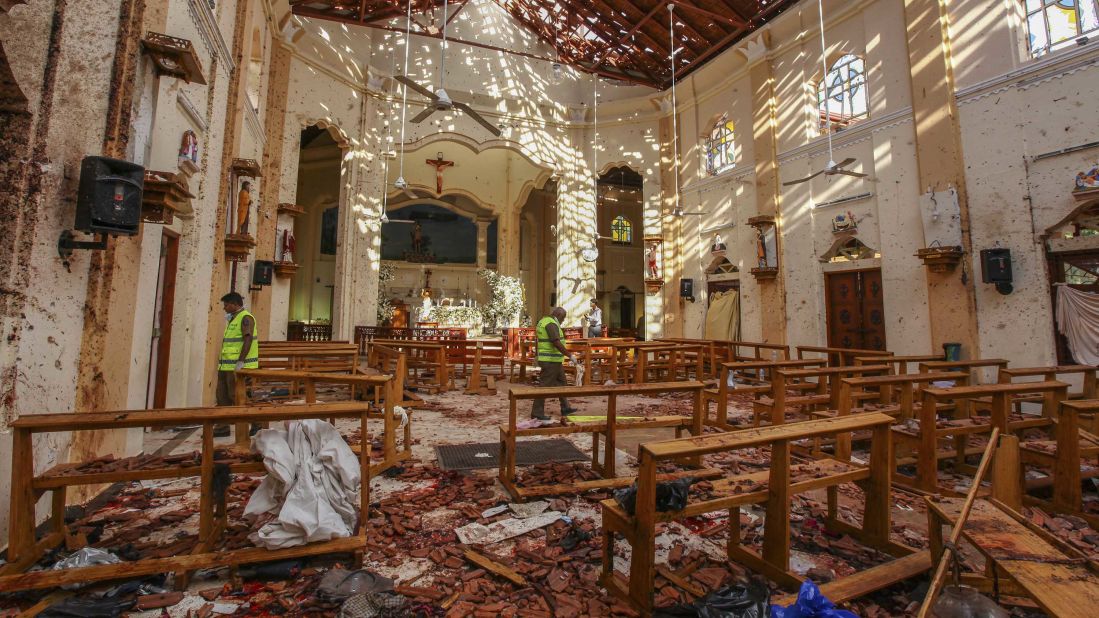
x=841 y=95
x=621 y=231
x=720 y=148
x=1055 y=24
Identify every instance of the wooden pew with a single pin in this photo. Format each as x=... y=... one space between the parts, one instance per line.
x=316 y=357
x=385 y=390
x=972 y=365
x=897 y=396
x=608 y=428
x=837 y=357
x=755 y=350
x=521 y=347
x=924 y=433
x=485 y=361
x=667 y=363
x=713 y=352
x=25 y=548
x=1063 y=454
x=428 y=363
x=773 y=488
x=595 y=354
x=1086 y=372
x=1022 y=558
x=825 y=393
x=900 y=364
x=757 y=373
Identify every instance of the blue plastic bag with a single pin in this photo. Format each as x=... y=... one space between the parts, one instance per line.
x=810 y=604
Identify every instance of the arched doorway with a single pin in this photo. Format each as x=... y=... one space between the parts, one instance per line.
x=619 y=270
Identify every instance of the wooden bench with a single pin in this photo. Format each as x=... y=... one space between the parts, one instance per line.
x=521 y=347
x=1021 y=557
x=313 y=356
x=428 y=363
x=924 y=433
x=480 y=361
x=667 y=363
x=1056 y=372
x=1063 y=454
x=25 y=549
x=594 y=354
x=825 y=390
x=900 y=364
x=773 y=489
x=972 y=365
x=898 y=395
x=757 y=373
x=385 y=391
x=739 y=351
x=837 y=357
x=608 y=428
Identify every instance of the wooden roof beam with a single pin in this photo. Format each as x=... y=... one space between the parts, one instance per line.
x=736 y=23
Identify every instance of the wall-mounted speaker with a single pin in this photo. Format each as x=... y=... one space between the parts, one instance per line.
x=262 y=272
x=996 y=268
x=687 y=289
x=108 y=199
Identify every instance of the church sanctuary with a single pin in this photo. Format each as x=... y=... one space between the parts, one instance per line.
x=549 y=308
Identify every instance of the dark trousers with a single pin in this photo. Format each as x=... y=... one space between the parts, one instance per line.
x=552 y=374
x=227 y=386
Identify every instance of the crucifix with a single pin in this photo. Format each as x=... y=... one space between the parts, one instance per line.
x=440 y=165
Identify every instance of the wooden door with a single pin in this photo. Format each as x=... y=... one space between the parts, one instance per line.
x=160 y=345
x=856 y=312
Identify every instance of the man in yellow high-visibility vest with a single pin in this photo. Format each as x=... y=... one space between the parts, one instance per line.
x=551 y=357
x=239 y=350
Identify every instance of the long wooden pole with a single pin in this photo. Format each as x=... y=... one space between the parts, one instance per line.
x=956 y=533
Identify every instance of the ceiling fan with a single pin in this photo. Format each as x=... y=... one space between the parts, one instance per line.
x=677 y=211
x=833 y=168
x=440 y=100
x=385 y=201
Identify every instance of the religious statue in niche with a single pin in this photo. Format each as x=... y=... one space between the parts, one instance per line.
x=761 y=248
x=289 y=245
x=717 y=247
x=844 y=222
x=244 y=205
x=188 y=147
x=652 y=270
x=1087 y=181
x=421 y=244
x=417 y=238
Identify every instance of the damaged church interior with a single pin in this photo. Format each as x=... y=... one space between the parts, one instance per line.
x=549 y=308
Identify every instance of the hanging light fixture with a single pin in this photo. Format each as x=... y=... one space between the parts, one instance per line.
x=558 y=70
x=591 y=252
x=677 y=209
x=401 y=184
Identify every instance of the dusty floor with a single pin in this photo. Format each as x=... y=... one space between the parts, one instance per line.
x=419 y=506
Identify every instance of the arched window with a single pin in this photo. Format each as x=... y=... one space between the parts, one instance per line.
x=1054 y=24
x=841 y=95
x=621 y=231
x=720 y=147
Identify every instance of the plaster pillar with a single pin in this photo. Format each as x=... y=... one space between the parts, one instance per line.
x=951 y=302
x=482 y=243
x=662 y=315
x=772 y=294
x=358 y=248
x=267 y=217
x=575 y=227
x=234 y=123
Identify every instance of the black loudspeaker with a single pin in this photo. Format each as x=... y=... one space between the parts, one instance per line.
x=687 y=288
x=108 y=200
x=262 y=272
x=996 y=268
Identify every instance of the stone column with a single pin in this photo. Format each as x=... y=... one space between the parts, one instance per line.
x=951 y=302
x=575 y=227
x=772 y=294
x=482 y=243
x=358 y=248
x=267 y=217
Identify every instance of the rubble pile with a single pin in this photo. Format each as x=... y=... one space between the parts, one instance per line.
x=110 y=463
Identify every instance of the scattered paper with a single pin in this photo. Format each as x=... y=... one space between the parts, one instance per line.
x=528 y=509
x=494 y=511
x=226 y=608
x=477 y=534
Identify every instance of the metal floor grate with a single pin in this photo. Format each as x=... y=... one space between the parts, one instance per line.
x=527 y=453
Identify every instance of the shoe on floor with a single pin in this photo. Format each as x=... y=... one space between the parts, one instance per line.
x=221 y=431
x=569 y=411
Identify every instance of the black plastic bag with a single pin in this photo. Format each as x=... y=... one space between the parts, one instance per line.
x=735 y=601
x=670 y=495
x=88 y=608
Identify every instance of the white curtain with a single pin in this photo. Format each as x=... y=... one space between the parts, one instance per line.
x=723 y=316
x=1078 y=321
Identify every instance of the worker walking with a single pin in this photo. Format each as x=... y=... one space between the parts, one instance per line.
x=551 y=358
x=239 y=350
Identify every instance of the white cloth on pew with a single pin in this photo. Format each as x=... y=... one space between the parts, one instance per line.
x=1078 y=321
x=311 y=488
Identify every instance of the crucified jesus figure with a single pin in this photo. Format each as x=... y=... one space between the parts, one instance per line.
x=440 y=165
